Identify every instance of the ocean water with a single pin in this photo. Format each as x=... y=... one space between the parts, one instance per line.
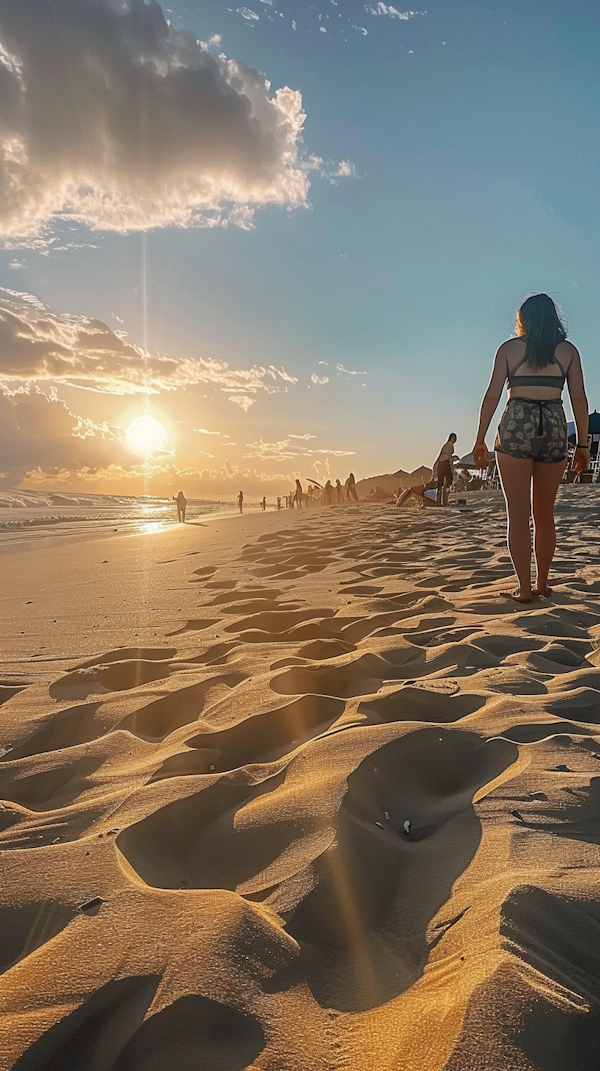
x=30 y=517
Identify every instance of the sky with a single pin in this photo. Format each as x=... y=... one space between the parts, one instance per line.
x=287 y=237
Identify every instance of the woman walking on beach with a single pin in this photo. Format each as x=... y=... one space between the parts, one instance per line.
x=531 y=444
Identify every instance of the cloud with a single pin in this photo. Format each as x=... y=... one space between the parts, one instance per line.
x=242 y=400
x=39 y=429
x=247 y=13
x=392 y=12
x=345 y=169
x=284 y=450
x=222 y=482
x=204 y=431
x=348 y=371
x=111 y=116
x=37 y=345
x=319 y=380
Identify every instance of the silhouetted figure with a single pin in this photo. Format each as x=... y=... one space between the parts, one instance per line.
x=445 y=470
x=263 y=504
x=299 y=494
x=351 y=488
x=181 y=501
x=339 y=492
x=329 y=493
x=278 y=502
x=240 y=501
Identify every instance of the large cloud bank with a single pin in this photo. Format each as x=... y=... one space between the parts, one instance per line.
x=37 y=345
x=110 y=116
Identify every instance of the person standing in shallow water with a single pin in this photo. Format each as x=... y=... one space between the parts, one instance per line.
x=181 y=501
x=445 y=470
x=240 y=501
x=531 y=444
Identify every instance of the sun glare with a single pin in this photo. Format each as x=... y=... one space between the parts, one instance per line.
x=145 y=434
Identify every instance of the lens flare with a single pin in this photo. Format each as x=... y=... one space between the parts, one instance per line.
x=146 y=435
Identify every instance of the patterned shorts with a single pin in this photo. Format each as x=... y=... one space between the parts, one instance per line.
x=533 y=429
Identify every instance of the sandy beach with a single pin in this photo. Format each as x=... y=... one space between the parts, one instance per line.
x=302 y=792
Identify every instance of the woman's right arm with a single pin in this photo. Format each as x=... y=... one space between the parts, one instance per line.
x=579 y=405
x=490 y=404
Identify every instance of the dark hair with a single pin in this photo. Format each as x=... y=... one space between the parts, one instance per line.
x=452 y=435
x=539 y=321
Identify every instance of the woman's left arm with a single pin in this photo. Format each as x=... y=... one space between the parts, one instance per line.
x=489 y=405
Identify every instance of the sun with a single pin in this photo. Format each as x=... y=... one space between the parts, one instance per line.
x=145 y=434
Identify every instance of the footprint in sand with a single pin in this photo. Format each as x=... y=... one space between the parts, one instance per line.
x=49 y=788
x=109 y=1031
x=195 y=625
x=76 y=725
x=123 y=654
x=361 y=677
x=258 y=739
x=394 y=882
x=25 y=928
x=10 y=688
x=278 y=621
x=111 y=677
x=192 y=842
x=181 y=706
x=421 y=704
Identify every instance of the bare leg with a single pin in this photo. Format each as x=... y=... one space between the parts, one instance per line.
x=439 y=494
x=546 y=478
x=516 y=474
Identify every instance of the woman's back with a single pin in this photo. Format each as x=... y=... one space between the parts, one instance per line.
x=527 y=382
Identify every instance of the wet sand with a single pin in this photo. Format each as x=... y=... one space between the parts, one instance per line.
x=302 y=792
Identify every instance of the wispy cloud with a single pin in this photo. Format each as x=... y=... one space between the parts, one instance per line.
x=319 y=381
x=349 y=371
x=39 y=346
x=392 y=12
x=285 y=450
x=242 y=400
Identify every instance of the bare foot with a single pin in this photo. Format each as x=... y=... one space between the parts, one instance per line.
x=519 y=596
x=542 y=593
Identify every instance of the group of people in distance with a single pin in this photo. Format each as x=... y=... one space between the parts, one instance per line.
x=315 y=495
x=329 y=495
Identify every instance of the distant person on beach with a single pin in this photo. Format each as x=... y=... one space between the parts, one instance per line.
x=263 y=504
x=240 y=501
x=278 y=502
x=181 y=501
x=339 y=492
x=350 y=486
x=299 y=494
x=445 y=470
x=328 y=492
x=531 y=444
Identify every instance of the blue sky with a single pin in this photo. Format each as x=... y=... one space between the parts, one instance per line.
x=471 y=132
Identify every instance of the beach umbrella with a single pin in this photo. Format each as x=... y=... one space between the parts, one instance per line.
x=593 y=426
x=594 y=423
x=309 y=479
